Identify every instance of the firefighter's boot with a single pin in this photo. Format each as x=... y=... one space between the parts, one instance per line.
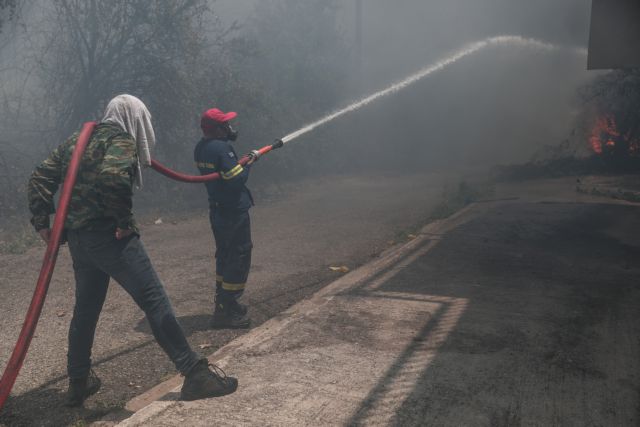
x=239 y=307
x=81 y=388
x=230 y=314
x=207 y=380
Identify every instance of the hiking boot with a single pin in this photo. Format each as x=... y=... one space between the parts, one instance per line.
x=207 y=380
x=81 y=388
x=230 y=315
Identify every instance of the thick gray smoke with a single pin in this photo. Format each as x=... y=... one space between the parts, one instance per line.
x=402 y=36
x=500 y=105
x=497 y=106
x=289 y=63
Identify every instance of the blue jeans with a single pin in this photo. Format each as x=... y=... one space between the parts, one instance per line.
x=97 y=256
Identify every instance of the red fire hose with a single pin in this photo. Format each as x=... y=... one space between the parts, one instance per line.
x=210 y=177
x=37 y=301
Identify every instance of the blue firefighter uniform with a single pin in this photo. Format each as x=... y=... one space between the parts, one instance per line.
x=229 y=204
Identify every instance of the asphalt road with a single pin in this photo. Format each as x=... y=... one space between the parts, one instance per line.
x=549 y=333
x=510 y=312
x=333 y=222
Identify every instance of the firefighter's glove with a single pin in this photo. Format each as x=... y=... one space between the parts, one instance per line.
x=253 y=156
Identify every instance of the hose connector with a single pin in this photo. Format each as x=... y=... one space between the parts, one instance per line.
x=277 y=144
x=253 y=155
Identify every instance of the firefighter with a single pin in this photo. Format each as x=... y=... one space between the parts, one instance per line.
x=104 y=242
x=229 y=204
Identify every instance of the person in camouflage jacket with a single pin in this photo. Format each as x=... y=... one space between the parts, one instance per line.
x=102 y=196
x=104 y=243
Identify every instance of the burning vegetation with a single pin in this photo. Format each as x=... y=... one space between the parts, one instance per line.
x=615 y=133
x=607 y=140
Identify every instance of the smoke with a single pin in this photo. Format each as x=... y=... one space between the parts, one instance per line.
x=499 y=105
x=429 y=87
x=515 y=41
x=403 y=36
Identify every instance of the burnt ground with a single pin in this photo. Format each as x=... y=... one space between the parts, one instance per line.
x=336 y=221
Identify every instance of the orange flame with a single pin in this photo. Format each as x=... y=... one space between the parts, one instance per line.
x=604 y=134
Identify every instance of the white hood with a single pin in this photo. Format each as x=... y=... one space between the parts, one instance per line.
x=132 y=115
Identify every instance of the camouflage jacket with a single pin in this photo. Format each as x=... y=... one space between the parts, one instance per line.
x=101 y=197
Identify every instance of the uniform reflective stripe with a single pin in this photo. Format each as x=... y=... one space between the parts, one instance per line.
x=219 y=278
x=205 y=165
x=233 y=172
x=233 y=286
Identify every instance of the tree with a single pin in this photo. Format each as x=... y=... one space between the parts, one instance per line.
x=100 y=48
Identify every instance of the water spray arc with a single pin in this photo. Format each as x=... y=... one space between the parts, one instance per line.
x=468 y=50
x=17 y=358
x=395 y=87
x=439 y=65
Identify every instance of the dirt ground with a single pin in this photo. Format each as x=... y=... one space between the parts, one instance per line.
x=332 y=222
